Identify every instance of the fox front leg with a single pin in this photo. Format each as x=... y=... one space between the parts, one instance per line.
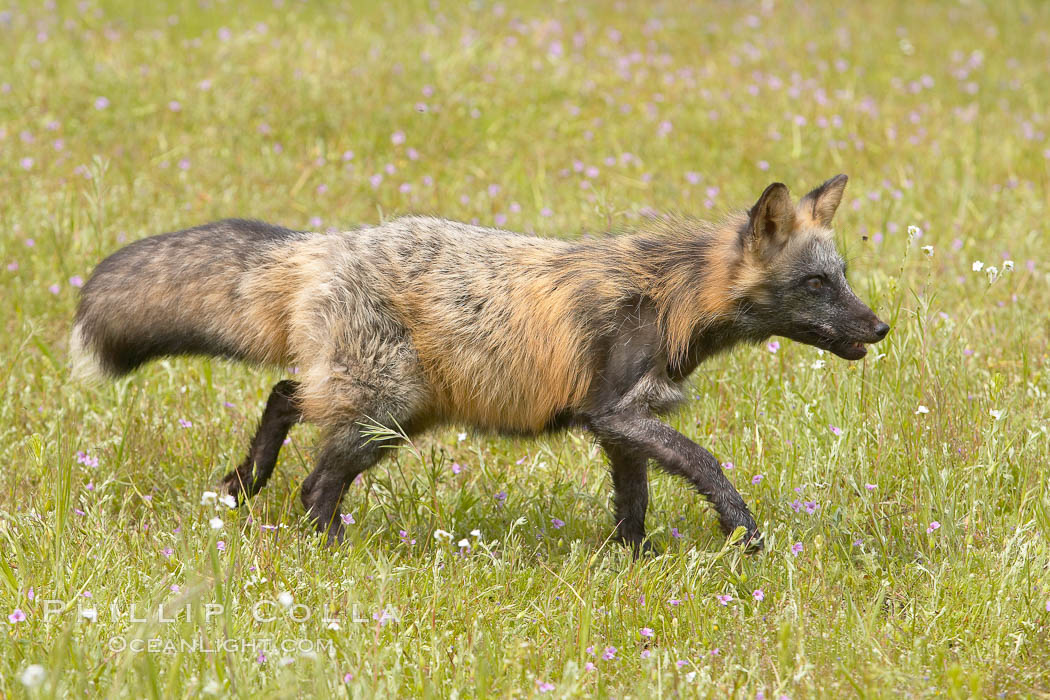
x=630 y=495
x=640 y=433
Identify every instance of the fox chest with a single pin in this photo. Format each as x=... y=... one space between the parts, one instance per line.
x=655 y=392
x=634 y=374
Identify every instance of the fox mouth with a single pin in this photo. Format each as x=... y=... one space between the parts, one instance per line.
x=852 y=348
x=850 y=344
x=849 y=350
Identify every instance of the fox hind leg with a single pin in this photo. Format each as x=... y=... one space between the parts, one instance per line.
x=280 y=414
x=346 y=453
x=368 y=374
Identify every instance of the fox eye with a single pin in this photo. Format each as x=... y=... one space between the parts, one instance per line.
x=816 y=282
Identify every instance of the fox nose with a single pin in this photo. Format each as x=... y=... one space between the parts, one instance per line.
x=881 y=330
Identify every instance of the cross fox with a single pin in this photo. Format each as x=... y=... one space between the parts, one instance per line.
x=420 y=322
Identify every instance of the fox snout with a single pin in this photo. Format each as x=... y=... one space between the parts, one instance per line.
x=865 y=326
x=865 y=329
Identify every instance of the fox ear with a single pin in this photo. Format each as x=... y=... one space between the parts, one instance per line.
x=820 y=204
x=772 y=218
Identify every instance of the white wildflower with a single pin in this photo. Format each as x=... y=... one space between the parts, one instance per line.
x=208 y=497
x=922 y=409
x=977 y=266
x=285 y=599
x=928 y=249
x=33 y=675
x=215 y=523
x=995 y=413
x=228 y=500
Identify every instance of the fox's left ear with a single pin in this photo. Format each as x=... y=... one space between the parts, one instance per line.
x=820 y=204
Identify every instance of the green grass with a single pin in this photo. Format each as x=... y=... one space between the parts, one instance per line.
x=936 y=111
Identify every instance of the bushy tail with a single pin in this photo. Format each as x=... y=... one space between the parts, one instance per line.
x=216 y=289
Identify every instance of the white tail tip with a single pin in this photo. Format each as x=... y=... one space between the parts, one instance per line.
x=86 y=364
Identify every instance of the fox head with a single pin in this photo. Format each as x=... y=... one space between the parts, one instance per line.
x=797 y=284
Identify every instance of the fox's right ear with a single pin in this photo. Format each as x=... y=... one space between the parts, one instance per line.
x=771 y=220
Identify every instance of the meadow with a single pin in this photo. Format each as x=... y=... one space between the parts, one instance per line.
x=904 y=498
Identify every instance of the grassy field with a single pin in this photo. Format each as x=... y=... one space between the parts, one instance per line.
x=904 y=498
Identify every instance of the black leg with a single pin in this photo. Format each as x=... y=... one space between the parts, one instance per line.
x=677 y=454
x=346 y=453
x=278 y=417
x=630 y=495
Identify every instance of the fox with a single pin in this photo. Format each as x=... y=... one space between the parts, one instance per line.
x=421 y=322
